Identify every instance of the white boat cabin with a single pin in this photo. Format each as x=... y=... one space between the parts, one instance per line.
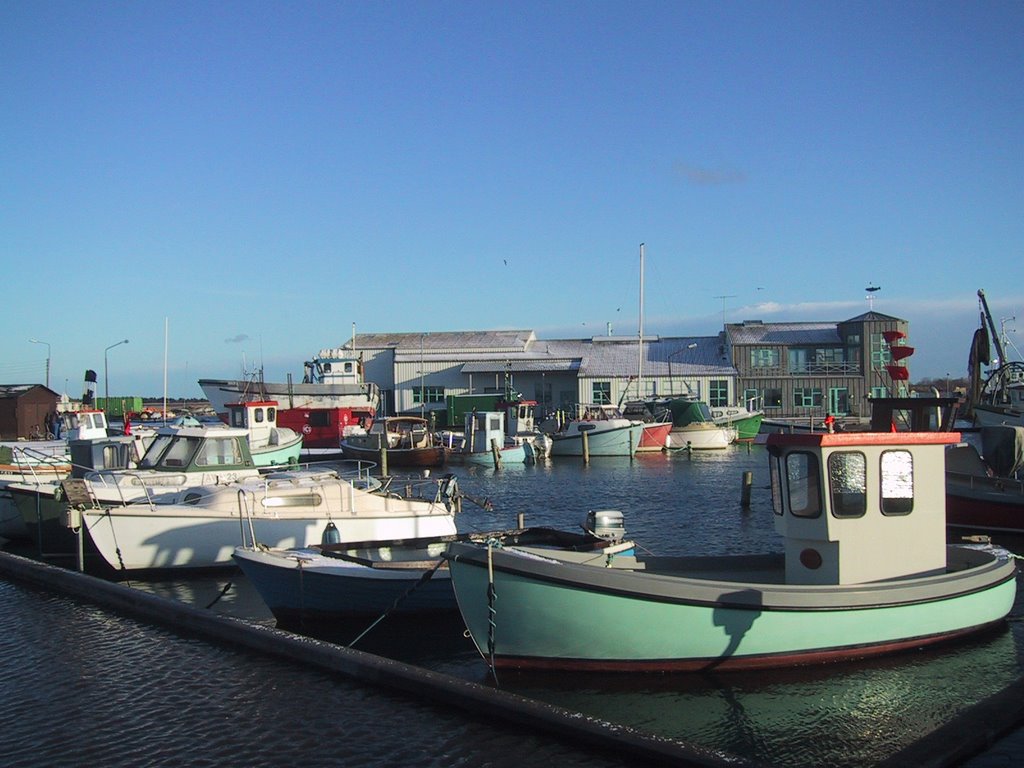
x=482 y=430
x=84 y=424
x=258 y=418
x=333 y=367
x=857 y=507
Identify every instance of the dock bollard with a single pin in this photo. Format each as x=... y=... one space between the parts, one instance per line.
x=748 y=481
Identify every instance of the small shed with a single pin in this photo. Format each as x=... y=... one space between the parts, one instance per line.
x=26 y=411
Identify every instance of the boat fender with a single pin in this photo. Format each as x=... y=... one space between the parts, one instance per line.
x=449 y=486
x=331 y=534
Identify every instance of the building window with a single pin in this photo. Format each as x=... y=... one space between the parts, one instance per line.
x=807 y=397
x=817 y=360
x=718 y=393
x=880 y=356
x=431 y=394
x=601 y=392
x=752 y=400
x=839 y=401
x=764 y=358
x=772 y=398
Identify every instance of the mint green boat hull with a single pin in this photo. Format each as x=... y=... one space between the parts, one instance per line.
x=544 y=621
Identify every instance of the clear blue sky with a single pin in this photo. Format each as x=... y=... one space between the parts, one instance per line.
x=260 y=176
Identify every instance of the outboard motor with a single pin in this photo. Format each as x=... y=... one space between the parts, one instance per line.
x=606 y=524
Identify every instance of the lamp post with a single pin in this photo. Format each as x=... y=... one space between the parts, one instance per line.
x=37 y=341
x=423 y=403
x=106 y=380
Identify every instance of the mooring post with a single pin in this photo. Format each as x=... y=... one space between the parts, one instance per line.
x=748 y=481
x=586 y=449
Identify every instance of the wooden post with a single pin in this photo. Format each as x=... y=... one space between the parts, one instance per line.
x=521 y=520
x=383 y=455
x=586 y=449
x=748 y=481
x=496 y=453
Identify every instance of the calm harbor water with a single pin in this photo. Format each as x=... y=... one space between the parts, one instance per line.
x=132 y=694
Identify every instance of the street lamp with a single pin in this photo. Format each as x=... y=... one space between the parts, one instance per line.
x=37 y=341
x=106 y=380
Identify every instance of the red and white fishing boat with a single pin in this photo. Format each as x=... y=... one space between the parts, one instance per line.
x=334 y=379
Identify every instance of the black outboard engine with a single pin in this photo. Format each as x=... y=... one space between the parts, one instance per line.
x=608 y=524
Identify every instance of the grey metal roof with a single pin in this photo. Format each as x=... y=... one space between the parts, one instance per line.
x=521 y=366
x=441 y=341
x=783 y=333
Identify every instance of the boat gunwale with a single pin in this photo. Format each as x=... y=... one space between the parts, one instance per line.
x=989 y=573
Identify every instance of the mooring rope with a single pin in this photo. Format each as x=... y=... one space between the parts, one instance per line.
x=422 y=580
x=492 y=597
x=222 y=593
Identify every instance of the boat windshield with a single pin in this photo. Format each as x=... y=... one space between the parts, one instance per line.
x=170 y=452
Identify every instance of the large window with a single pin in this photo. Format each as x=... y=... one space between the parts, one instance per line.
x=764 y=358
x=431 y=394
x=807 y=397
x=772 y=398
x=880 y=356
x=601 y=392
x=718 y=393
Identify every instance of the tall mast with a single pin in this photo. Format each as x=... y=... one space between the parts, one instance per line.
x=640 y=332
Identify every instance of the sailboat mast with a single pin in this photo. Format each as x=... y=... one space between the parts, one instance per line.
x=640 y=332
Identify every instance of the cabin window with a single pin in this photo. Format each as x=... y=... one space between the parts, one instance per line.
x=299 y=500
x=601 y=392
x=238 y=418
x=802 y=485
x=320 y=418
x=180 y=452
x=257 y=414
x=495 y=424
x=848 y=485
x=219 y=452
x=897 y=483
x=776 y=481
x=348 y=367
x=271 y=414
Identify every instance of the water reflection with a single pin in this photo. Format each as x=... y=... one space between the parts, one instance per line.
x=849 y=714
